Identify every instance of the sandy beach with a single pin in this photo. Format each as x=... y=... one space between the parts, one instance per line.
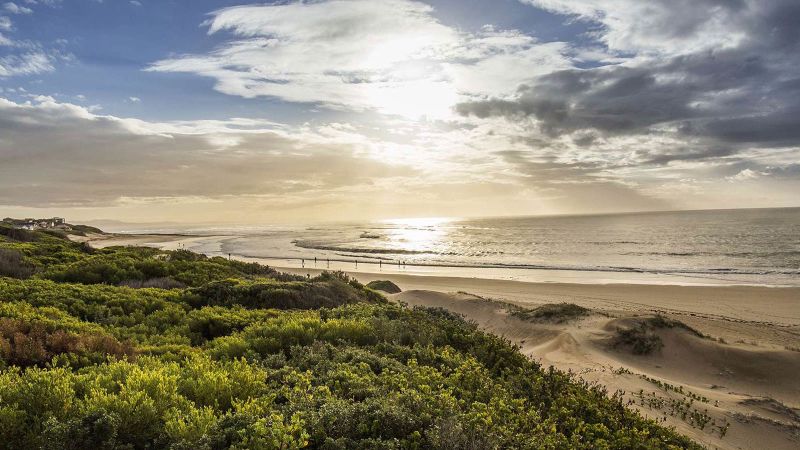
x=728 y=379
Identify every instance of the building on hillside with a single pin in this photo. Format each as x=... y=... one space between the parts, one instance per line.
x=30 y=223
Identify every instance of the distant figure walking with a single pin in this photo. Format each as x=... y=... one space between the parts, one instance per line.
x=303 y=262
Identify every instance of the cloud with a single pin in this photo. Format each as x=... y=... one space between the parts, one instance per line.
x=717 y=100
x=580 y=186
x=25 y=64
x=134 y=99
x=6 y=25
x=746 y=174
x=659 y=26
x=43 y=2
x=633 y=115
x=13 y=8
x=392 y=56
x=59 y=154
x=21 y=56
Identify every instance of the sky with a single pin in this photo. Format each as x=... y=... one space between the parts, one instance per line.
x=201 y=111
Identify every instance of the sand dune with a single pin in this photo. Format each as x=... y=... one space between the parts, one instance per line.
x=725 y=396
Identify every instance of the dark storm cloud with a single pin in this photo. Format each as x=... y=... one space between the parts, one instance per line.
x=721 y=99
x=615 y=100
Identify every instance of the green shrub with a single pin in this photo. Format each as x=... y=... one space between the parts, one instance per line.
x=639 y=339
x=13 y=264
x=317 y=293
x=385 y=286
x=659 y=321
x=17 y=234
x=557 y=313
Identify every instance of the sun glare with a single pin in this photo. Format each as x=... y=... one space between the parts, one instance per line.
x=415 y=99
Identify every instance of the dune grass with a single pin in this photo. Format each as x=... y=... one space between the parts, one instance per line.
x=641 y=338
x=553 y=313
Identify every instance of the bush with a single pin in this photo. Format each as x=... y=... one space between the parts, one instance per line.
x=13 y=264
x=385 y=286
x=641 y=337
x=318 y=293
x=659 y=321
x=640 y=340
x=83 y=229
x=160 y=283
x=18 y=234
x=558 y=313
x=33 y=337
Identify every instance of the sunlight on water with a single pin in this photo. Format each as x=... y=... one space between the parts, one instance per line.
x=745 y=246
x=417 y=234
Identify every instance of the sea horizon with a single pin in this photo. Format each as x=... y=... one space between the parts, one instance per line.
x=134 y=227
x=717 y=247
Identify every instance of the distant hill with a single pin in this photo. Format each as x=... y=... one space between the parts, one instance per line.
x=54 y=224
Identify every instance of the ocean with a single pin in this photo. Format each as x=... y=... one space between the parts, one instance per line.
x=748 y=246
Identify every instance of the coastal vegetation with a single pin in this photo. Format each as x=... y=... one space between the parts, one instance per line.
x=554 y=313
x=641 y=337
x=384 y=286
x=142 y=348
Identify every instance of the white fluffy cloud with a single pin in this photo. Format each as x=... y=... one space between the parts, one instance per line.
x=392 y=56
x=13 y=8
x=660 y=26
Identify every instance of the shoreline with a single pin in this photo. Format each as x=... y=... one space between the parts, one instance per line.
x=731 y=303
x=212 y=245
